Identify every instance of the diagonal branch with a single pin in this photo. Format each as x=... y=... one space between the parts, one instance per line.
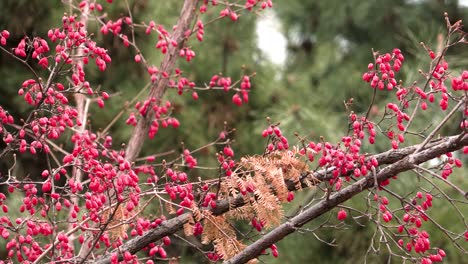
x=400 y=160
x=407 y=163
x=166 y=228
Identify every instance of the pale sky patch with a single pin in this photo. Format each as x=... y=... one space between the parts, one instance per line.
x=273 y=43
x=270 y=39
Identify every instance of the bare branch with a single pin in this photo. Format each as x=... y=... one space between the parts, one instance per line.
x=407 y=163
x=157 y=91
x=166 y=228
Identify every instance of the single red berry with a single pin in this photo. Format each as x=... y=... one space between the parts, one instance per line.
x=236 y=99
x=137 y=58
x=162 y=252
x=342 y=215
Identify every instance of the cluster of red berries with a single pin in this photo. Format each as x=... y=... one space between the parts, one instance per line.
x=200 y=30
x=245 y=87
x=226 y=160
x=383 y=76
x=190 y=161
x=387 y=216
x=4 y=35
x=249 y=4
x=161 y=116
x=418 y=239
x=450 y=163
x=278 y=140
x=460 y=83
x=209 y=199
x=258 y=224
x=183 y=193
x=164 y=38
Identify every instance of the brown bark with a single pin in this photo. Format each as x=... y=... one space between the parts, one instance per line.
x=158 y=89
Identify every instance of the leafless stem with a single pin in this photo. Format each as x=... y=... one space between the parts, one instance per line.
x=159 y=87
x=439 y=126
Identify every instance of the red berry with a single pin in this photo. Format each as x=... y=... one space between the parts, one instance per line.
x=236 y=99
x=342 y=215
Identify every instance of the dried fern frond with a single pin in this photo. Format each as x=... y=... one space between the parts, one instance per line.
x=275 y=169
x=218 y=230
x=170 y=208
x=262 y=182
x=117 y=226
x=188 y=227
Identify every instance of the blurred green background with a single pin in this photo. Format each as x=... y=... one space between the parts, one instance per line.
x=327 y=48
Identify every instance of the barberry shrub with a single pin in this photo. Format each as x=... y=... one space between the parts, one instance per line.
x=91 y=203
